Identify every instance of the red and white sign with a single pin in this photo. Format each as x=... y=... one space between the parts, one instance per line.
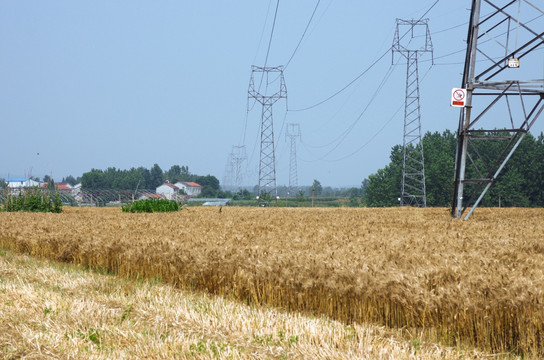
x=458 y=97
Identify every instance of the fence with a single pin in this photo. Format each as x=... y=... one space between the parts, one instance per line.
x=96 y=197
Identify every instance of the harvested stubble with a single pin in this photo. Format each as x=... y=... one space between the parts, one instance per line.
x=54 y=311
x=479 y=282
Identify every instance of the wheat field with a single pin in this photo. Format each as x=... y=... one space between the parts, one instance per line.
x=52 y=310
x=476 y=283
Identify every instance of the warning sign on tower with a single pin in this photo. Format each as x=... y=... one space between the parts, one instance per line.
x=458 y=97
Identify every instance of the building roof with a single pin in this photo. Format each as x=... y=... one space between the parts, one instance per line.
x=61 y=186
x=17 y=180
x=189 y=183
x=167 y=183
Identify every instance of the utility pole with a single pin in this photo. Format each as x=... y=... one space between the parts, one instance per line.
x=413 y=190
x=293 y=132
x=502 y=94
x=267 y=163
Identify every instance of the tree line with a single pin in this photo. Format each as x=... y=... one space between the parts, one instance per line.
x=521 y=182
x=143 y=178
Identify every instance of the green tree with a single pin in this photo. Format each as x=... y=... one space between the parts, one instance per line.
x=439 y=155
x=174 y=174
x=93 y=180
x=156 y=176
x=144 y=175
x=210 y=185
x=244 y=194
x=509 y=191
x=70 y=180
x=317 y=189
x=383 y=187
x=521 y=182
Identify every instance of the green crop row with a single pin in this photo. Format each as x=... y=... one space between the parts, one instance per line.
x=34 y=200
x=151 y=205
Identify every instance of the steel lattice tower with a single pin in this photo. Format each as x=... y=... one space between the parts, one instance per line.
x=228 y=178
x=238 y=157
x=292 y=133
x=267 y=164
x=413 y=170
x=233 y=172
x=504 y=97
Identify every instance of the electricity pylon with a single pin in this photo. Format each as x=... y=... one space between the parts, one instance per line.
x=233 y=172
x=238 y=157
x=267 y=163
x=503 y=96
x=228 y=178
x=293 y=132
x=413 y=170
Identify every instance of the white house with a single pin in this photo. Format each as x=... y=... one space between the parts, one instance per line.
x=167 y=190
x=18 y=183
x=190 y=188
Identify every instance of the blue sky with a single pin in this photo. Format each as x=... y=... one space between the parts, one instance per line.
x=97 y=84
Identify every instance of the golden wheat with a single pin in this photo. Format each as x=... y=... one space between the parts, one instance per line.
x=51 y=310
x=479 y=282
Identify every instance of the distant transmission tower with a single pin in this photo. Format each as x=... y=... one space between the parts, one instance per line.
x=238 y=157
x=267 y=164
x=501 y=95
x=293 y=132
x=413 y=170
x=228 y=178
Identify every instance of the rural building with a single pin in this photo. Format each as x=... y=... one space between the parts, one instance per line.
x=190 y=188
x=63 y=188
x=167 y=190
x=150 y=196
x=21 y=183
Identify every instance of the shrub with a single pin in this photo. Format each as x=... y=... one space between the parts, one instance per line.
x=151 y=205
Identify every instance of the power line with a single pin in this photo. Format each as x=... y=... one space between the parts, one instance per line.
x=303 y=34
x=343 y=136
x=340 y=138
x=262 y=32
x=376 y=133
x=482 y=42
x=269 y=45
x=348 y=85
x=367 y=69
x=271 y=34
x=428 y=10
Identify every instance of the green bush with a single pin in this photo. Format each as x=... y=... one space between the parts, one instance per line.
x=151 y=205
x=34 y=200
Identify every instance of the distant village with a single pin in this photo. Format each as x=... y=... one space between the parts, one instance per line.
x=180 y=191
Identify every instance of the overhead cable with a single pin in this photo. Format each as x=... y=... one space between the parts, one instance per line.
x=366 y=70
x=343 y=136
x=272 y=32
x=348 y=85
x=303 y=34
